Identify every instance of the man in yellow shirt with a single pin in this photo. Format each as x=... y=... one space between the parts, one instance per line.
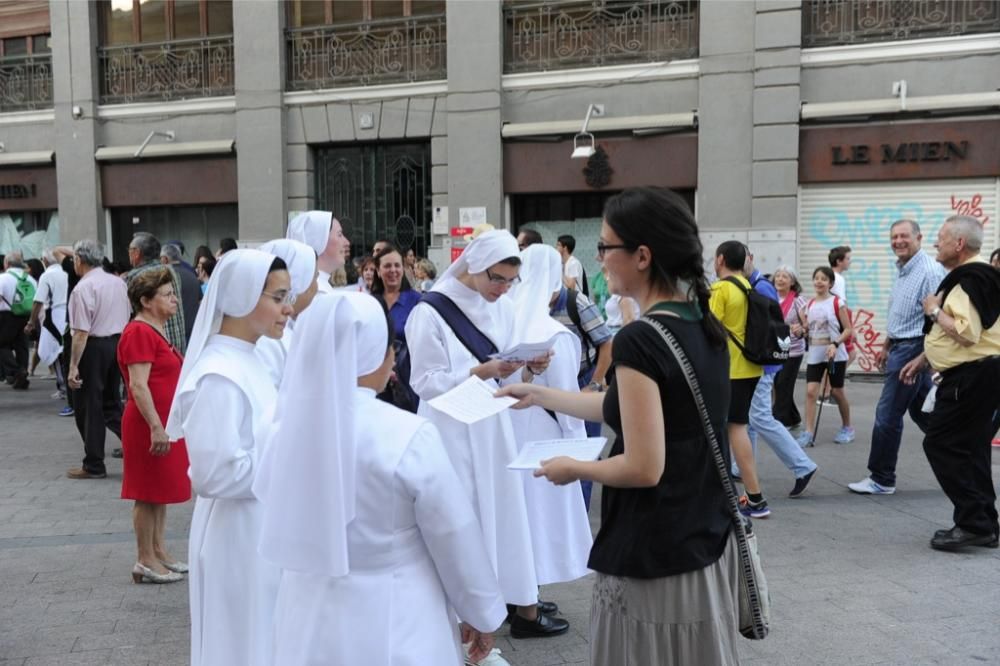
x=730 y=305
x=963 y=344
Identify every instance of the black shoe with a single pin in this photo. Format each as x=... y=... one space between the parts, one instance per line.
x=957 y=538
x=547 y=607
x=542 y=627
x=117 y=453
x=801 y=483
x=21 y=382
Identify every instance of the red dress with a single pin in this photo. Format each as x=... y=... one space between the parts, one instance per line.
x=149 y=478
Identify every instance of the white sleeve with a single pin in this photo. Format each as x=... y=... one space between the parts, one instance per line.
x=451 y=532
x=218 y=430
x=431 y=371
x=44 y=287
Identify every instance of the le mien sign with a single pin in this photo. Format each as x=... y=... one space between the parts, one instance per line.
x=894 y=153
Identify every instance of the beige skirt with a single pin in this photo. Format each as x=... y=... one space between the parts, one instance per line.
x=686 y=619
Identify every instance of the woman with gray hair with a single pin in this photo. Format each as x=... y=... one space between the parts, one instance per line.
x=793 y=303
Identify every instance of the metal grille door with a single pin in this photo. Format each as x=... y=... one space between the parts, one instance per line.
x=378 y=191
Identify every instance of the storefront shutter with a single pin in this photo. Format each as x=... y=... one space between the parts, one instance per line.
x=859 y=215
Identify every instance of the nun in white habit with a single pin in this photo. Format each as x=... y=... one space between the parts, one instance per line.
x=560 y=530
x=396 y=551
x=321 y=231
x=477 y=283
x=301 y=262
x=223 y=407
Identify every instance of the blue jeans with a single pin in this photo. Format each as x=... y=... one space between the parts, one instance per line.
x=894 y=402
x=763 y=423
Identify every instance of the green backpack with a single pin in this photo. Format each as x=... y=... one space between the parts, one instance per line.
x=24 y=295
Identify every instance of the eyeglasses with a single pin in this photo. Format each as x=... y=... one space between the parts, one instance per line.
x=281 y=297
x=602 y=248
x=501 y=280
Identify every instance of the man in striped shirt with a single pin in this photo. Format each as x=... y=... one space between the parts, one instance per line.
x=918 y=275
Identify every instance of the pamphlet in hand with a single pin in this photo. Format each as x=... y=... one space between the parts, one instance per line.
x=534 y=453
x=472 y=400
x=526 y=351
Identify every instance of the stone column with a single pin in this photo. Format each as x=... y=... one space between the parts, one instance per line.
x=259 y=49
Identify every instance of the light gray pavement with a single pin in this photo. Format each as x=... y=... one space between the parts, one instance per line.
x=852 y=579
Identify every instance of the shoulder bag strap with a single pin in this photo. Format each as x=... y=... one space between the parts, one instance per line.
x=742 y=527
x=474 y=340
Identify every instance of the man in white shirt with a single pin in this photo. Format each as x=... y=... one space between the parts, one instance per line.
x=840 y=262
x=573 y=274
x=13 y=341
x=51 y=296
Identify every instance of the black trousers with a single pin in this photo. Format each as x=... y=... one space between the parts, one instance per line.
x=957 y=442
x=98 y=402
x=785 y=410
x=13 y=344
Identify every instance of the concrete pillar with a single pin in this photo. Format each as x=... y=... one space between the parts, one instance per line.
x=725 y=146
x=259 y=50
x=74 y=84
x=474 y=168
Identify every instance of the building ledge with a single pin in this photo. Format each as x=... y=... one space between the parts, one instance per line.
x=910 y=49
x=360 y=93
x=562 y=78
x=186 y=106
x=27 y=117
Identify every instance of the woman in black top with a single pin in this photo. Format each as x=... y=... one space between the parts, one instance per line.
x=667 y=565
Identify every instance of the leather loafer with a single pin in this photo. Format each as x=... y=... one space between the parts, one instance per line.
x=547 y=607
x=80 y=473
x=542 y=627
x=957 y=538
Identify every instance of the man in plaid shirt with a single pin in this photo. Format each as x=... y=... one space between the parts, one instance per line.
x=144 y=255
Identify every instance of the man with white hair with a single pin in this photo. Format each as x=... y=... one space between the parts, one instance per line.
x=190 y=293
x=962 y=343
x=51 y=295
x=17 y=292
x=321 y=231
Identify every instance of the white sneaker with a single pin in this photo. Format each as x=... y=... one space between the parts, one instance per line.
x=869 y=487
x=492 y=659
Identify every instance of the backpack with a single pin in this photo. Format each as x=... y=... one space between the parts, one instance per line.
x=474 y=340
x=768 y=337
x=24 y=295
x=573 y=310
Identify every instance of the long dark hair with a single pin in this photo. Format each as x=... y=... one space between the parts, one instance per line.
x=378 y=286
x=661 y=220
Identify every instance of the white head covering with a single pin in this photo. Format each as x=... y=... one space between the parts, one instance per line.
x=300 y=258
x=308 y=470
x=485 y=250
x=541 y=276
x=233 y=290
x=311 y=228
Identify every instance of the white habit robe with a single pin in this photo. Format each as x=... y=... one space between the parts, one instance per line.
x=416 y=560
x=273 y=354
x=479 y=452
x=560 y=530
x=225 y=420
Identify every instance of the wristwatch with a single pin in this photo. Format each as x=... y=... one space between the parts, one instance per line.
x=597 y=387
x=934 y=313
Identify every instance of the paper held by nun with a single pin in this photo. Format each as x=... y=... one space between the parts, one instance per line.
x=471 y=401
x=526 y=351
x=533 y=453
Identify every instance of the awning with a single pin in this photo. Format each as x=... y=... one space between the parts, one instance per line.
x=27 y=158
x=624 y=123
x=868 y=107
x=171 y=149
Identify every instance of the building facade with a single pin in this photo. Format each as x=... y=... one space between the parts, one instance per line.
x=794 y=125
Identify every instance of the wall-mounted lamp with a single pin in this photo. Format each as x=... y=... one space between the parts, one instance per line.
x=168 y=135
x=583 y=142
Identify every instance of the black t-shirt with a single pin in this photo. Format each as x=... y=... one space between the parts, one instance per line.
x=683 y=522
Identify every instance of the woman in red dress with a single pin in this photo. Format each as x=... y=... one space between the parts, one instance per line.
x=155 y=470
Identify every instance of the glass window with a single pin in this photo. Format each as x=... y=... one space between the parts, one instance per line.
x=117 y=17
x=305 y=13
x=349 y=11
x=153 y=20
x=220 y=17
x=40 y=44
x=187 y=19
x=423 y=7
x=15 y=46
x=386 y=9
